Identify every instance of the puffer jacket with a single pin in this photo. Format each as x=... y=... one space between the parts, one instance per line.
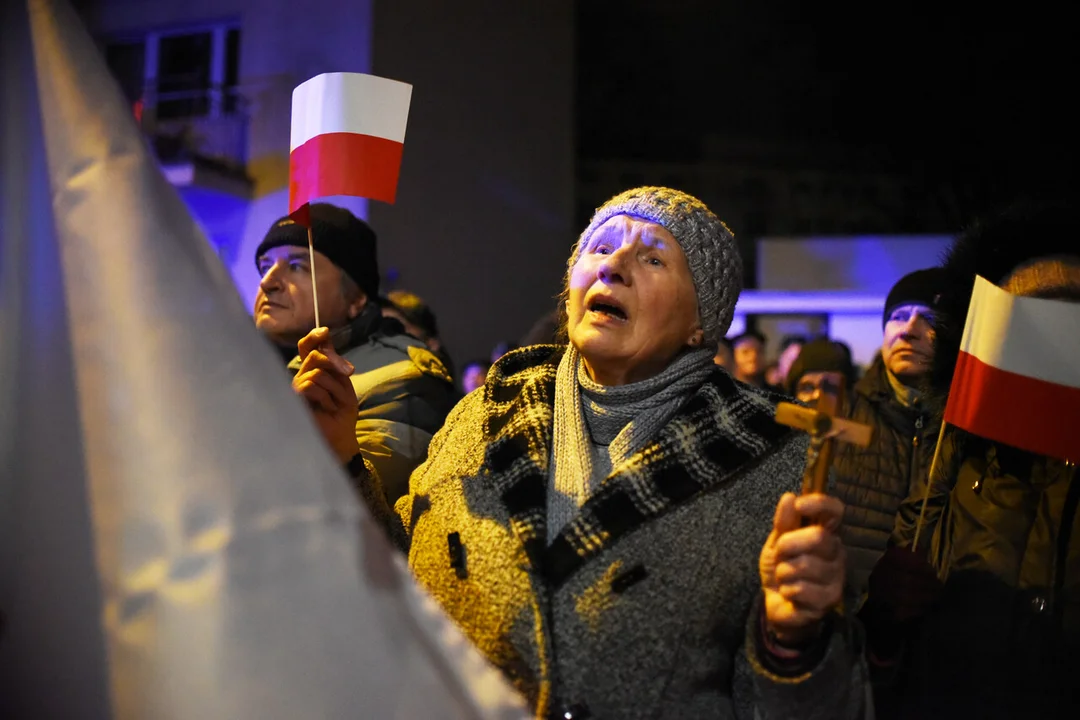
x=404 y=393
x=874 y=481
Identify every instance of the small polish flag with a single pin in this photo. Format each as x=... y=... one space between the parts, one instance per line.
x=348 y=133
x=1017 y=380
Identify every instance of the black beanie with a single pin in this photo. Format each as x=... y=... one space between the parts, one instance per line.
x=345 y=239
x=821 y=355
x=922 y=287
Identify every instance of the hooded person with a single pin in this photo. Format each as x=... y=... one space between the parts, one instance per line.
x=403 y=391
x=612 y=522
x=999 y=635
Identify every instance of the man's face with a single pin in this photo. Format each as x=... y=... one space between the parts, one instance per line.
x=284 y=304
x=749 y=357
x=809 y=386
x=908 y=346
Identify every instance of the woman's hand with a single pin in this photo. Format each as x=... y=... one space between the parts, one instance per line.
x=802 y=568
x=323 y=381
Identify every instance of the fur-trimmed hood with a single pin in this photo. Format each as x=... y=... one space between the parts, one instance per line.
x=992 y=248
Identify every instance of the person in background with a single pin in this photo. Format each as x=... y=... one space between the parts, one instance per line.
x=403 y=391
x=474 y=375
x=989 y=627
x=418 y=319
x=724 y=356
x=749 y=352
x=874 y=481
x=816 y=358
x=790 y=347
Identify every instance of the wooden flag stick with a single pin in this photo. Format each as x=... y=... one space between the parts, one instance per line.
x=929 y=482
x=311 y=262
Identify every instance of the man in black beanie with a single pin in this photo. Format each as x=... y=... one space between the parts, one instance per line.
x=874 y=481
x=403 y=390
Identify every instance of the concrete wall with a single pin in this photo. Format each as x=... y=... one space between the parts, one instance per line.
x=481 y=228
x=863 y=263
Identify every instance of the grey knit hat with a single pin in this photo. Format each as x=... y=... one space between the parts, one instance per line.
x=707 y=242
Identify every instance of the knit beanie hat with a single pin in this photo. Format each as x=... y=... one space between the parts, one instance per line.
x=347 y=240
x=922 y=287
x=709 y=247
x=820 y=355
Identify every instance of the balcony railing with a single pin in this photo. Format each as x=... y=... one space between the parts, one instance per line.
x=209 y=125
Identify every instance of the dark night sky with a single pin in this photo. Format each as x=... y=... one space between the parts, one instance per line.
x=967 y=98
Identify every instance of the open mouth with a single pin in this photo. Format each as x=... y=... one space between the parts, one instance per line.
x=607 y=308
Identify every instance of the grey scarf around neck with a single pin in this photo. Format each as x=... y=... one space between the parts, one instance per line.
x=624 y=418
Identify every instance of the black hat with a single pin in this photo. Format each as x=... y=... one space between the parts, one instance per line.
x=347 y=240
x=922 y=287
x=821 y=355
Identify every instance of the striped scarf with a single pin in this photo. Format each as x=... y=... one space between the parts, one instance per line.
x=624 y=417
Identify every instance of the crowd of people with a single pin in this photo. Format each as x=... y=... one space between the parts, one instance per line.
x=611 y=513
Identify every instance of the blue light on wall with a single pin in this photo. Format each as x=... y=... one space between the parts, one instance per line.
x=221 y=214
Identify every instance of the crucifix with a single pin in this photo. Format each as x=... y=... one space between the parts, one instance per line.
x=825 y=429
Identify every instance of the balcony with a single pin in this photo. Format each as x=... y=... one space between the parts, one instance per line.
x=200 y=138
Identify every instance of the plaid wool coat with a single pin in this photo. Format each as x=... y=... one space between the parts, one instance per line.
x=647 y=604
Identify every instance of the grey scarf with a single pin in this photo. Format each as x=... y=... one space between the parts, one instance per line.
x=624 y=417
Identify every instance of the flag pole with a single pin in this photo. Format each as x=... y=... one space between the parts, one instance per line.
x=929 y=482
x=311 y=263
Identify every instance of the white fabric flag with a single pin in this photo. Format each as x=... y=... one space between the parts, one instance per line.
x=179 y=542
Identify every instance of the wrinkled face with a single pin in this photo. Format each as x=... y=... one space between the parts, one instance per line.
x=749 y=357
x=473 y=377
x=787 y=357
x=809 y=386
x=284 y=304
x=908 y=346
x=631 y=304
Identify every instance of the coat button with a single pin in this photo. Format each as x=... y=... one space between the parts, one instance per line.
x=1038 y=603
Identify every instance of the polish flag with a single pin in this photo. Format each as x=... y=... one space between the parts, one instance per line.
x=1017 y=380
x=348 y=133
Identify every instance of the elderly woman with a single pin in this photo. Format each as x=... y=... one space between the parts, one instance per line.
x=611 y=522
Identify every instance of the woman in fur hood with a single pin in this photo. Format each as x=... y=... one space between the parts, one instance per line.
x=1000 y=634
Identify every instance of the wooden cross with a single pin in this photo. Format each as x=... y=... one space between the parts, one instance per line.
x=825 y=429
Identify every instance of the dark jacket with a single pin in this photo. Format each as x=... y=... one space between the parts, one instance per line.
x=647 y=604
x=874 y=481
x=404 y=393
x=1003 y=639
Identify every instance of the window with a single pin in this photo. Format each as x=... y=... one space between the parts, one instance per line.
x=180 y=73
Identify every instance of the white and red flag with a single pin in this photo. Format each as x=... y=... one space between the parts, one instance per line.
x=1017 y=380
x=348 y=134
